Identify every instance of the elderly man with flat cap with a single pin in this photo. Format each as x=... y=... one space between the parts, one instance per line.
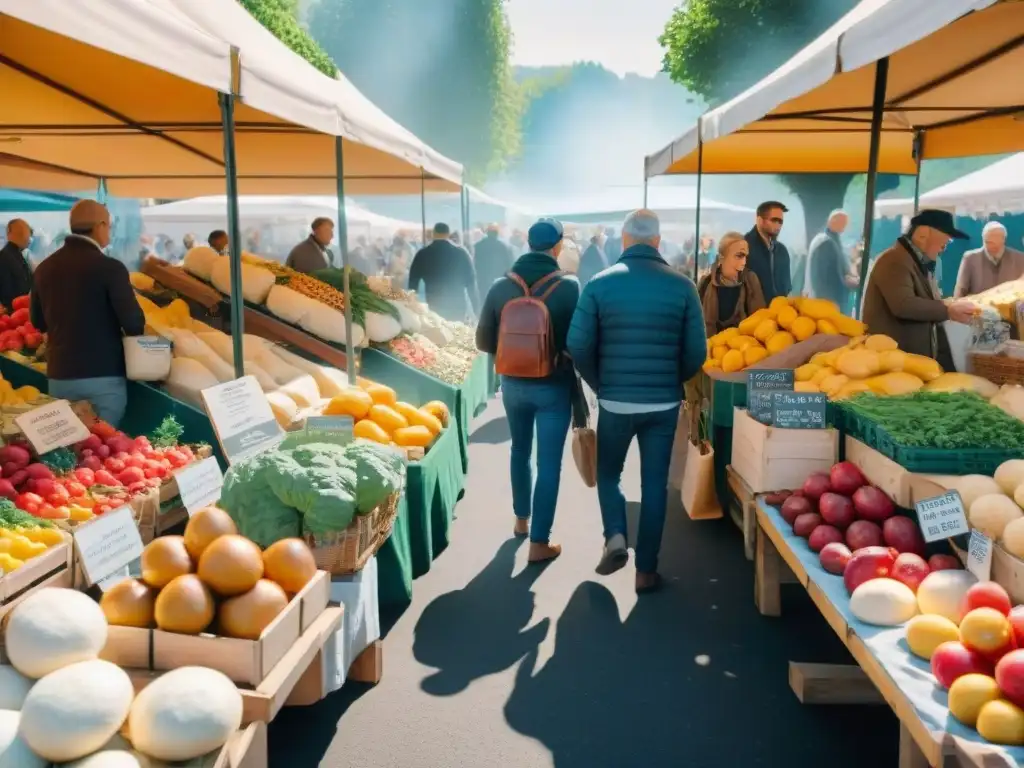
x=15 y=273
x=902 y=298
x=84 y=300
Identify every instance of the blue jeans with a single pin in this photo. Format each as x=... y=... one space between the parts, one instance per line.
x=655 y=433
x=546 y=405
x=108 y=395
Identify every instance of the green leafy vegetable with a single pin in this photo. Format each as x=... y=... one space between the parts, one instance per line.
x=259 y=514
x=951 y=420
x=168 y=434
x=59 y=460
x=319 y=482
x=11 y=517
x=379 y=473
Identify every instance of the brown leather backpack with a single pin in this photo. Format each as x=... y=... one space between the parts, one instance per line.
x=526 y=339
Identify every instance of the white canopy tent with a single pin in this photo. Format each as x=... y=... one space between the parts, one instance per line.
x=673 y=204
x=993 y=190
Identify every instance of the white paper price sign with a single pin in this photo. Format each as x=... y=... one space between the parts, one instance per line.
x=942 y=517
x=199 y=484
x=979 y=555
x=243 y=418
x=51 y=426
x=108 y=544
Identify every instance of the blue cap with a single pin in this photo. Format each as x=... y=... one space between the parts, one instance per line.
x=544 y=235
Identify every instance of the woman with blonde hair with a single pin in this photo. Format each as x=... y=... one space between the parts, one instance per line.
x=730 y=292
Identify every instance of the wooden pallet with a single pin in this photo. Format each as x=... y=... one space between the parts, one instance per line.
x=852 y=684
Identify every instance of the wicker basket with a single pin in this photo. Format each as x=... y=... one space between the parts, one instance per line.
x=999 y=367
x=347 y=552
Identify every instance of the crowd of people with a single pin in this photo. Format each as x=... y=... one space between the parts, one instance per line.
x=634 y=333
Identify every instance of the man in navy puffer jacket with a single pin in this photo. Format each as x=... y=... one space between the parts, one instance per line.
x=636 y=337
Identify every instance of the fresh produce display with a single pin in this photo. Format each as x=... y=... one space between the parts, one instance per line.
x=104 y=471
x=950 y=420
x=23 y=537
x=450 y=364
x=311 y=491
x=379 y=416
x=16 y=330
x=775 y=328
x=64 y=704
x=211 y=576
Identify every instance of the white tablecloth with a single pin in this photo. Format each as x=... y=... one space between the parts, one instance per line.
x=359 y=628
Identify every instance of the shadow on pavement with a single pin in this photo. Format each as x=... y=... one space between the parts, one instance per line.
x=493 y=432
x=480 y=629
x=318 y=725
x=693 y=676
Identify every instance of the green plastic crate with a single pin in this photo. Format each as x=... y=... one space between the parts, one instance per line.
x=942 y=461
x=726 y=395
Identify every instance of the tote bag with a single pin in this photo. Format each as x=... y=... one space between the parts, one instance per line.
x=584 y=439
x=700 y=500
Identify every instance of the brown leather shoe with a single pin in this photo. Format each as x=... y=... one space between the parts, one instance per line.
x=522 y=527
x=647 y=582
x=540 y=552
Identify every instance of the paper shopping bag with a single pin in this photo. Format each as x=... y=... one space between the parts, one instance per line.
x=698 y=494
x=584 y=454
x=677 y=465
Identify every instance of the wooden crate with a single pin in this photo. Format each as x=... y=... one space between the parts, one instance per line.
x=743 y=509
x=247 y=748
x=52 y=568
x=248 y=662
x=774 y=459
x=302 y=661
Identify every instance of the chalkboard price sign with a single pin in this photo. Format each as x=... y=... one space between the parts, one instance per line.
x=799 y=410
x=761 y=384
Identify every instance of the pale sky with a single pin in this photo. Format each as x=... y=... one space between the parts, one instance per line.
x=620 y=34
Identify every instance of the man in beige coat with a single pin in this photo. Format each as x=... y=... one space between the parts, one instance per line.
x=902 y=299
x=991 y=265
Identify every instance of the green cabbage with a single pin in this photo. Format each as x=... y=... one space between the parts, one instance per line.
x=259 y=514
x=319 y=481
x=379 y=472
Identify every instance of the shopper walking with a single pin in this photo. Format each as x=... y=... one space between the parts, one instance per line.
x=447 y=274
x=492 y=259
x=829 y=271
x=15 y=272
x=84 y=300
x=524 y=322
x=637 y=336
x=593 y=260
x=769 y=259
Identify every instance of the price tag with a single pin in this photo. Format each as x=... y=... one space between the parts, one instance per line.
x=108 y=544
x=51 y=426
x=329 y=429
x=762 y=383
x=242 y=417
x=114 y=579
x=979 y=555
x=799 y=410
x=942 y=517
x=199 y=484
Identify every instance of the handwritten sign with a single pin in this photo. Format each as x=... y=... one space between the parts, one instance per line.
x=761 y=384
x=51 y=426
x=799 y=410
x=979 y=555
x=108 y=544
x=942 y=517
x=329 y=429
x=243 y=418
x=199 y=484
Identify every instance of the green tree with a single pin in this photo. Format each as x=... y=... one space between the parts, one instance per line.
x=281 y=18
x=439 y=68
x=718 y=48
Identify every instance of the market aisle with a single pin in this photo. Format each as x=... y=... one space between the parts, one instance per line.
x=494 y=664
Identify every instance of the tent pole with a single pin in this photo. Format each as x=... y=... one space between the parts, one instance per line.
x=423 y=206
x=700 y=176
x=101 y=191
x=227 y=113
x=918 y=147
x=877 y=112
x=645 y=189
x=350 y=351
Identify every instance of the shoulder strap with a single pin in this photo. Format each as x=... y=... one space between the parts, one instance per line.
x=518 y=281
x=551 y=277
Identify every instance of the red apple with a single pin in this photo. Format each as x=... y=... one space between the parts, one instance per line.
x=863 y=533
x=1017 y=622
x=903 y=534
x=816 y=485
x=986 y=594
x=866 y=564
x=836 y=510
x=944 y=563
x=952 y=659
x=1010 y=676
x=805 y=524
x=823 y=535
x=910 y=569
x=846 y=477
x=793 y=507
x=872 y=504
x=834 y=557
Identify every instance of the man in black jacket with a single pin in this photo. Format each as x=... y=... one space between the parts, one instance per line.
x=15 y=273
x=493 y=260
x=84 y=300
x=768 y=258
x=447 y=274
x=592 y=261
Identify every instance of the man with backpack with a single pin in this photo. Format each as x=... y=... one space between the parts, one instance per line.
x=523 y=323
x=636 y=338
